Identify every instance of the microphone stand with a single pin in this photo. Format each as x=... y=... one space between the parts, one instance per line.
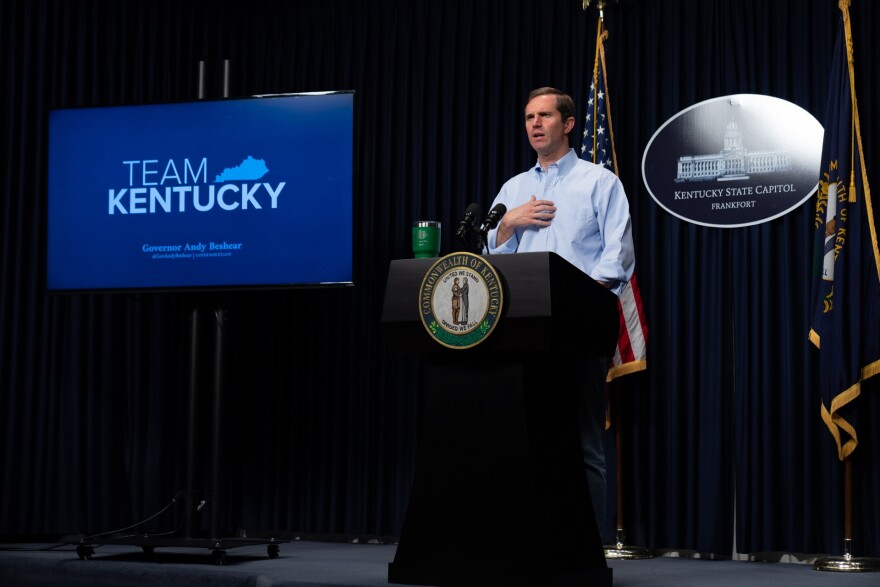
x=491 y=221
x=469 y=246
x=483 y=238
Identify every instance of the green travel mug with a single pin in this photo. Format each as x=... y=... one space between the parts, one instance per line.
x=425 y=238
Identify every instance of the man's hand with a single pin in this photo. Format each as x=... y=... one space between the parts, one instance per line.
x=535 y=212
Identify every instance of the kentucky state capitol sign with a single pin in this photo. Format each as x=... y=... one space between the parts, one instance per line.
x=734 y=161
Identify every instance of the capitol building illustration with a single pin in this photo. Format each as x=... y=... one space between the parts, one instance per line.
x=734 y=162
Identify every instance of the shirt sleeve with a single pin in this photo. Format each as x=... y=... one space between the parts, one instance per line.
x=508 y=246
x=617 y=261
x=511 y=244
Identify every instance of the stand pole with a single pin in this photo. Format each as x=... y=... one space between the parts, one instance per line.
x=847 y=499
x=620 y=550
x=189 y=505
x=847 y=563
x=216 y=426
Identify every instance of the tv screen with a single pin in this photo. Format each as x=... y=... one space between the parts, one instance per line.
x=252 y=192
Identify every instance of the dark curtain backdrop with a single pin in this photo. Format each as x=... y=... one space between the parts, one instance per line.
x=723 y=447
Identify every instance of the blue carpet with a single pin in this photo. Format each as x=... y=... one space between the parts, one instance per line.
x=306 y=563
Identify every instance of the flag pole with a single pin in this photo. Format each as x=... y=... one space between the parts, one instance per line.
x=618 y=550
x=621 y=550
x=847 y=562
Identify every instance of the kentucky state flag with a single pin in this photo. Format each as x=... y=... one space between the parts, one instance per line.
x=598 y=147
x=845 y=300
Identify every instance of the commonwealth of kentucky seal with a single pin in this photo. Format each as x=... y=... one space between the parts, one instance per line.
x=460 y=300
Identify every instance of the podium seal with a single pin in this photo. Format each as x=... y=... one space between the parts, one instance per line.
x=460 y=300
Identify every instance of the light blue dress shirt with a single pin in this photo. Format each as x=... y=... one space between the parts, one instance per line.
x=592 y=228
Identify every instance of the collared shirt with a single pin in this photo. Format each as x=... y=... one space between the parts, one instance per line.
x=591 y=229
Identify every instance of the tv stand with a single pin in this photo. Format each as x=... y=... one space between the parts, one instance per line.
x=85 y=548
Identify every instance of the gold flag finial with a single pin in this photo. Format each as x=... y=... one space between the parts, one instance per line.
x=600 y=4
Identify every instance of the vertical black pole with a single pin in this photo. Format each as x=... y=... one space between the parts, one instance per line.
x=189 y=495
x=226 y=78
x=216 y=425
x=214 y=492
x=201 y=80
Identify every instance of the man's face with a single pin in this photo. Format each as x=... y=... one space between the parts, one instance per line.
x=545 y=127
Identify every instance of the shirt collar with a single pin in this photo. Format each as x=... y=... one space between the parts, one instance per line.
x=565 y=164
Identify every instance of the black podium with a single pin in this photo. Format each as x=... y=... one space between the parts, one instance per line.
x=500 y=495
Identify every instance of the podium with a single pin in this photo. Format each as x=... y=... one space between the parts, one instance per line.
x=500 y=494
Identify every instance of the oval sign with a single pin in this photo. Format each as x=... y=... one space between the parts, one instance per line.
x=734 y=161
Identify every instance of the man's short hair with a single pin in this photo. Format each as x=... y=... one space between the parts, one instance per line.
x=564 y=102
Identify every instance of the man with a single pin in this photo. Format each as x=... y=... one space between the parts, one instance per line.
x=578 y=210
x=456 y=301
x=465 y=301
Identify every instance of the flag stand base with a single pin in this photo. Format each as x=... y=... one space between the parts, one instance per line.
x=621 y=551
x=847 y=563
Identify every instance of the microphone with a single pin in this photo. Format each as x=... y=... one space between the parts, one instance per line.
x=470 y=217
x=491 y=220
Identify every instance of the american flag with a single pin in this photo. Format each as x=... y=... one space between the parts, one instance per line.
x=598 y=147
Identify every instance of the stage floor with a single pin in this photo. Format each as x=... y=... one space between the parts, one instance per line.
x=319 y=564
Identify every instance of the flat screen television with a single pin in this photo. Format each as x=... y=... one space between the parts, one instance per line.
x=236 y=193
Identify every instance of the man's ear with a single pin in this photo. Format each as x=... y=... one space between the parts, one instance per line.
x=569 y=124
